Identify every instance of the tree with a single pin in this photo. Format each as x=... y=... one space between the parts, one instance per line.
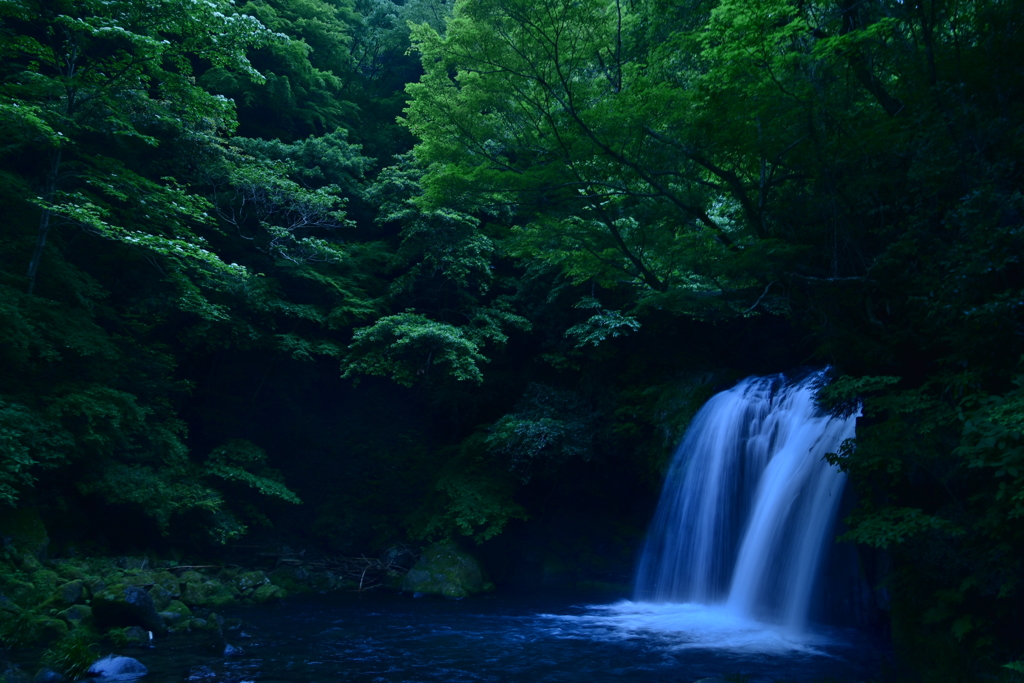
x=94 y=75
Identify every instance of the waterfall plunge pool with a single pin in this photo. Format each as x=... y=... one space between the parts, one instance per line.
x=509 y=639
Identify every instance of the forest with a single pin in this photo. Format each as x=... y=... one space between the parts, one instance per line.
x=354 y=273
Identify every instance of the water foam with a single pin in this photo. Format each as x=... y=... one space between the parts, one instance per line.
x=692 y=626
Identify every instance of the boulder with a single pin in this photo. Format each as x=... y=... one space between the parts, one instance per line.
x=292 y=579
x=445 y=570
x=12 y=673
x=251 y=580
x=208 y=594
x=269 y=593
x=69 y=569
x=70 y=593
x=171 y=618
x=48 y=675
x=77 y=615
x=178 y=607
x=137 y=636
x=115 y=668
x=165 y=588
x=126 y=606
x=50 y=630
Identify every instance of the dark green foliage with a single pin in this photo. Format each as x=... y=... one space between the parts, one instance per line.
x=610 y=211
x=473 y=497
x=549 y=426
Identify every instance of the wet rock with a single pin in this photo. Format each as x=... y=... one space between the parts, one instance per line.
x=126 y=606
x=208 y=594
x=292 y=579
x=161 y=598
x=269 y=593
x=49 y=630
x=232 y=651
x=398 y=556
x=69 y=569
x=200 y=674
x=165 y=588
x=70 y=593
x=171 y=618
x=251 y=580
x=95 y=584
x=12 y=673
x=77 y=615
x=115 y=668
x=445 y=570
x=137 y=636
x=182 y=626
x=48 y=675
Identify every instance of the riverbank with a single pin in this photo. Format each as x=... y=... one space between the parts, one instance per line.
x=76 y=606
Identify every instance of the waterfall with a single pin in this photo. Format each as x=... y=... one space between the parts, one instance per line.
x=748 y=504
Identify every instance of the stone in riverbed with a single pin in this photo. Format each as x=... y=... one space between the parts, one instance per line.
x=115 y=668
x=126 y=606
x=208 y=594
x=77 y=615
x=251 y=580
x=48 y=675
x=269 y=593
x=70 y=593
x=445 y=570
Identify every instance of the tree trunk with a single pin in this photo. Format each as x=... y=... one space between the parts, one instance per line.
x=49 y=190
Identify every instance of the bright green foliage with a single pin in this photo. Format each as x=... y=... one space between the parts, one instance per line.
x=303 y=90
x=106 y=76
x=446 y=282
x=600 y=326
x=407 y=347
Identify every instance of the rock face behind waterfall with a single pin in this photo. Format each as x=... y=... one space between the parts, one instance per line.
x=445 y=570
x=749 y=503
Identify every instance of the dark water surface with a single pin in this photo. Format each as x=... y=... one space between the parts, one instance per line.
x=385 y=638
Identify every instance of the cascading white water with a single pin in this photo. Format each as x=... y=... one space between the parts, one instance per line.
x=748 y=504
